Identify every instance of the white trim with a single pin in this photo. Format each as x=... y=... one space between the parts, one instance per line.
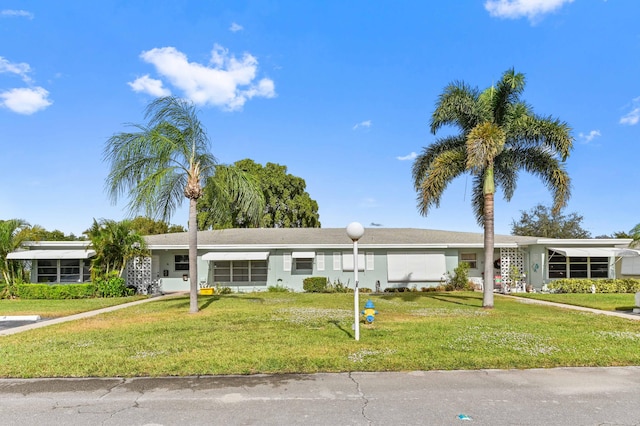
x=286 y=262
x=303 y=255
x=51 y=254
x=595 y=252
x=320 y=261
x=221 y=256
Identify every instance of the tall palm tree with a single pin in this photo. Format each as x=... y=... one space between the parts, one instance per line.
x=498 y=136
x=635 y=236
x=161 y=162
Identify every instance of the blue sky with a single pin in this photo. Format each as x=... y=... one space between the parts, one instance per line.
x=340 y=92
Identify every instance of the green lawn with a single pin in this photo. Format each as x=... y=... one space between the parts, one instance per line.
x=308 y=333
x=59 y=308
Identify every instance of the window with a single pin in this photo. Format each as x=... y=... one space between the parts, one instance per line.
x=240 y=271
x=469 y=258
x=303 y=264
x=47 y=271
x=182 y=262
x=63 y=271
x=577 y=267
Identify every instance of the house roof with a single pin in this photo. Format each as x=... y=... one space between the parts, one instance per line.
x=333 y=237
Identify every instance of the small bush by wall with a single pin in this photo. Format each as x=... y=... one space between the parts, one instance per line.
x=584 y=285
x=314 y=284
x=112 y=286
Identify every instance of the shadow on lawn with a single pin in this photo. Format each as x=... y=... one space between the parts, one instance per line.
x=449 y=297
x=339 y=327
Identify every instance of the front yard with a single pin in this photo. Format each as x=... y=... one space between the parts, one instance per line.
x=308 y=333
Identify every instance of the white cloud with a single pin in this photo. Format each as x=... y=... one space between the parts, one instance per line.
x=365 y=124
x=633 y=116
x=19 y=13
x=234 y=28
x=25 y=100
x=22 y=69
x=149 y=85
x=513 y=9
x=589 y=136
x=411 y=156
x=227 y=82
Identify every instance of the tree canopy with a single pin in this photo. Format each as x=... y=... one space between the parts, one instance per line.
x=541 y=221
x=287 y=203
x=147 y=226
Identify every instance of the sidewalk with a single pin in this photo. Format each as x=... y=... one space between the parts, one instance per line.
x=627 y=314
x=81 y=315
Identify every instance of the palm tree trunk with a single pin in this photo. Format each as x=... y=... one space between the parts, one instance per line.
x=193 y=257
x=487 y=299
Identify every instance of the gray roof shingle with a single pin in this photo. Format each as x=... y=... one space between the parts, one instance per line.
x=332 y=237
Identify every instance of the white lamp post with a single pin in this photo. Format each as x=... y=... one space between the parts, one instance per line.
x=355 y=231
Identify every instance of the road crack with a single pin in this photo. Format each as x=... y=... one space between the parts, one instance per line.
x=363 y=397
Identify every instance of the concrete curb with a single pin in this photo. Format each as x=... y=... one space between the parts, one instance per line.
x=20 y=318
x=81 y=315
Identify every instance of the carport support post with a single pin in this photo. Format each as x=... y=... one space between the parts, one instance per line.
x=355 y=231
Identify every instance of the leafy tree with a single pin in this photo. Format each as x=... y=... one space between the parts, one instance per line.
x=115 y=243
x=541 y=221
x=38 y=233
x=148 y=226
x=498 y=136
x=13 y=233
x=288 y=204
x=222 y=203
x=159 y=163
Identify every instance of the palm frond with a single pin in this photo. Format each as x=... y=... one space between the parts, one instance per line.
x=442 y=170
x=457 y=106
x=422 y=163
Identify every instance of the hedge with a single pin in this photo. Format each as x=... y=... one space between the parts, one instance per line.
x=584 y=285
x=314 y=284
x=56 y=291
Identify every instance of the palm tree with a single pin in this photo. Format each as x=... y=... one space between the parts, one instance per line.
x=226 y=192
x=161 y=162
x=115 y=244
x=13 y=233
x=499 y=135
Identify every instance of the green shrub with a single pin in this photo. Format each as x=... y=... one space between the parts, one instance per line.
x=56 y=291
x=315 y=284
x=460 y=279
x=112 y=286
x=278 y=288
x=584 y=285
x=365 y=290
x=225 y=290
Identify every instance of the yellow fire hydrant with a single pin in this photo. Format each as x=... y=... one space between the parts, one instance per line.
x=369 y=312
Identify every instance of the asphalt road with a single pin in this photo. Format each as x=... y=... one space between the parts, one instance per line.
x=560 y=396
